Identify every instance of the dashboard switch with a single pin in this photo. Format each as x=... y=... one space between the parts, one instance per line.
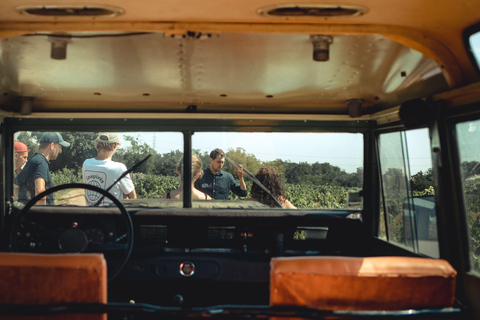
x=187 y=269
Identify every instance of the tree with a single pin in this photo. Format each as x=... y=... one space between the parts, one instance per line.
x=167 y=163
x=247 y=160
x=30 y=141
x=422 y=181
x=136 y=152
x=81 y=148
x=277 y=165
x=204 y=157
x=298 y=172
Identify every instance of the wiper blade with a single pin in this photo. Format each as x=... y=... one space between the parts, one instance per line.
x=135 y=166
x=254 y=179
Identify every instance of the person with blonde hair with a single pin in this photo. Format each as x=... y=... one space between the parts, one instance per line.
x=102 y=171
x=197 y=173
x=271 y=180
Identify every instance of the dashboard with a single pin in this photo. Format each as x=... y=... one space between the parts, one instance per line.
x=177 y=253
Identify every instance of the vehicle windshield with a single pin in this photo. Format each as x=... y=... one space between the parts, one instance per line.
x=257 y=170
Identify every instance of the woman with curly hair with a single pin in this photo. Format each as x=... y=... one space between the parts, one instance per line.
x=270 y=179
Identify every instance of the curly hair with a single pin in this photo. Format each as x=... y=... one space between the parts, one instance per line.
x=271 y=180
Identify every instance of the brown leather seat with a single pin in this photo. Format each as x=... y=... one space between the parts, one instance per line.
x=40 y=279
x=374 y=283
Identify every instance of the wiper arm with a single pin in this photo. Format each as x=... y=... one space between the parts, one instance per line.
x=254 y=179
x=135 y=166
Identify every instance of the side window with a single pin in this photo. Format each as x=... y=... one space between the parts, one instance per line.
x=407 y=196
x=468 y=139
x=474 y=44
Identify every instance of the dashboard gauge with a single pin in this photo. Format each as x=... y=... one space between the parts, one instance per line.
x=95 y=236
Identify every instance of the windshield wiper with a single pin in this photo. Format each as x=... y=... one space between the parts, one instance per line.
x=135 y=166
x=254 y=179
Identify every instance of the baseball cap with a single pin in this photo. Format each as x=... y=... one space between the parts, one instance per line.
x=49 y=137
x=20 y=147
x=108 y=137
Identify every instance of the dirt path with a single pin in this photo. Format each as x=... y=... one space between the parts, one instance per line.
x=74 y=197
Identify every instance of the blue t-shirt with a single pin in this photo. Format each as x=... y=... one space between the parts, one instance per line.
x=219 y=185
x=37 y=167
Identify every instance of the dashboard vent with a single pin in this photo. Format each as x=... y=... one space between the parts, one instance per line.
x=221 y=233
x=309 y=11
x=70 y=11
x=310 y=233
x=156 y=232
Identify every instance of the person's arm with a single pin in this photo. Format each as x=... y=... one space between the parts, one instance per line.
x=131 y=195
x=237 y=188
x=288 y=205
x=240 y=172
x=127 y=184
x=16 y=190
x=40 y=187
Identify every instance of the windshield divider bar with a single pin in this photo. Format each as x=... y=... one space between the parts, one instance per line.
x=187 y=169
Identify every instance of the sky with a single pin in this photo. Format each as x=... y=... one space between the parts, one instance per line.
x=475 y=44
x=343 y=150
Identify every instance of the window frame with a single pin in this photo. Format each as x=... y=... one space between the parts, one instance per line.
x=187 y=127
x=467 y=33
x=469 y=116
x=415 y=246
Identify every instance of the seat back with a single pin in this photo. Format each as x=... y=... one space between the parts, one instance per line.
x=42 y=279
x=373 y=283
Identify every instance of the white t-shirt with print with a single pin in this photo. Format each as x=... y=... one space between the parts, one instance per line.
x=102 y=174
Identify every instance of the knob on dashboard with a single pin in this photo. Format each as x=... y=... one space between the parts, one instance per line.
x=187 y=269
x=178 y=299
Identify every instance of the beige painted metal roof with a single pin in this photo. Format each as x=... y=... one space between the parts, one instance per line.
x=230 y=56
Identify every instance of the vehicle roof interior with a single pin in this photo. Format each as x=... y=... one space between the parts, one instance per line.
x=241 y=57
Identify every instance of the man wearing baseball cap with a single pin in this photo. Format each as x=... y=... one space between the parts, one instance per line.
x=20 y=158
x=35 y=176
x=102 y=172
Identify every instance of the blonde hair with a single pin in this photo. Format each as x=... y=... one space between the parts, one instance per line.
x=109 y=146
x=197 y=166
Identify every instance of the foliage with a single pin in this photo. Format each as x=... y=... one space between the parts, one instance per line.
x=135 y=153
x=321 y=174
x=319 y=197
x=422 y=181
x=247 y=160
x=472 y=197
x=29 y=141
x=395 y=193
x=154 y=186
x=65 y=175
x=81 y=148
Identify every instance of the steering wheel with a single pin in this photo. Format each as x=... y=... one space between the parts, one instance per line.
x=74 y=240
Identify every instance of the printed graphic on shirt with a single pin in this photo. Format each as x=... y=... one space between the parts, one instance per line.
x=97 y=179
x=204 y=185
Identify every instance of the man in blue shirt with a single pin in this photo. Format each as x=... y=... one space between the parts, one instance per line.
x=218 y=183
x=35 y=176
